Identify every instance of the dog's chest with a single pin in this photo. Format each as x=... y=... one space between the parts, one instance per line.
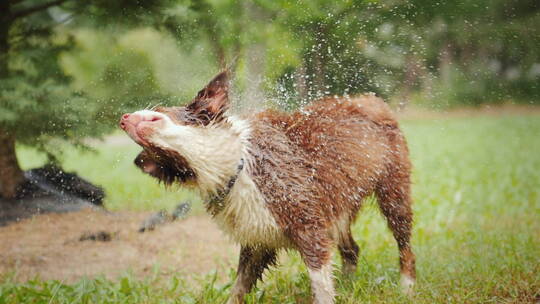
x=246 y=219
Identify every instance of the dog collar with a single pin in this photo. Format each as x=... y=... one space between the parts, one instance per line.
x=216 y=203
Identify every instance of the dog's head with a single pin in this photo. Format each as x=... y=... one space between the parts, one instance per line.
x=197 y=142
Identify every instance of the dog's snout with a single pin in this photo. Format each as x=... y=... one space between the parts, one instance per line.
x=123 y=120
x=133 y=119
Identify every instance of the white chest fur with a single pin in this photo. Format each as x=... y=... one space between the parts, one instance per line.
x=245 y=217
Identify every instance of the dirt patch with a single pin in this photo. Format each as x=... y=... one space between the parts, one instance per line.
x=49 y=246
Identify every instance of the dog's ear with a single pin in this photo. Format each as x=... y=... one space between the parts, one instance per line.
x=212 y=101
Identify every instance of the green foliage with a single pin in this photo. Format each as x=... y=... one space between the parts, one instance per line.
x=74 y=67
x=476 y=205
x=39 y=105
x=325 y=36
x=396 y=48
x=478 y=52
x=36 y=106
x=140 y=67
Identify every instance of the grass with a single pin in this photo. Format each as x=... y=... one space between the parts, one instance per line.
x=477 y=232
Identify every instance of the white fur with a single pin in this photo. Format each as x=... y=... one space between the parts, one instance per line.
x=322 y=284
x=214 y=152
x=246 y=218
x=407 y=284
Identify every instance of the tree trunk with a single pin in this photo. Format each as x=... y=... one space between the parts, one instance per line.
x=413 y=71
x=446 y=59
x=315 y=61
x=5 y=23
x=11 y=175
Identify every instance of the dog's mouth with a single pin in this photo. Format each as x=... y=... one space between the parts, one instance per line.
x=167 y=166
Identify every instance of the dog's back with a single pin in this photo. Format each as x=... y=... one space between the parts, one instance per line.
x=335 y=152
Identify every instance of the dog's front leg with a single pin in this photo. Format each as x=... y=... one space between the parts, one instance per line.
x=253 y=261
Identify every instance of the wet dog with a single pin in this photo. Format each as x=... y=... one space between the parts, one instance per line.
x=278 y=180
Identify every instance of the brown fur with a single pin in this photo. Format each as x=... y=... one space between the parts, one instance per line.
x=318 y=165
x=314 y=167
x=251 y=265
x=167 y=166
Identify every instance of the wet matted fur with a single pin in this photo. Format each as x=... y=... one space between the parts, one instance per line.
x=303 y=182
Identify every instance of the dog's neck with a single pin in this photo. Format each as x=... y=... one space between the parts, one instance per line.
x=216 y=202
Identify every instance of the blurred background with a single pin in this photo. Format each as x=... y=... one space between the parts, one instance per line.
x=464 y=74
x=69 y=68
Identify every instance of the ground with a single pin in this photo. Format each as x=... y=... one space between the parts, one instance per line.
x=477 y=229
x=48 y=247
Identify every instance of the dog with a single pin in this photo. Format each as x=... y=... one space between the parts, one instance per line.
x=276 y=180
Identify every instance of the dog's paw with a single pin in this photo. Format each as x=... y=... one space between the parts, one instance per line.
x=407 y=285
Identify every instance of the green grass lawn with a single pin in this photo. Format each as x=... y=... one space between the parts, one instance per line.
x=477 y=226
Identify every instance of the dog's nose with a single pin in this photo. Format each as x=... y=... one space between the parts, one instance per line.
x=123 y=121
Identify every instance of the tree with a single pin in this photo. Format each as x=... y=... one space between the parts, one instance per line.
x=37 y=104
x=326 y=38
x=469 y=51
x=472 y=47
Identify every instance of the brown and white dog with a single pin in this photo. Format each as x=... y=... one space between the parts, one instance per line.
x=284 y=180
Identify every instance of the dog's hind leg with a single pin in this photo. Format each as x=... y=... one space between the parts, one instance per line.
x=253 y=262
x=394 y=200
x=348 y=250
